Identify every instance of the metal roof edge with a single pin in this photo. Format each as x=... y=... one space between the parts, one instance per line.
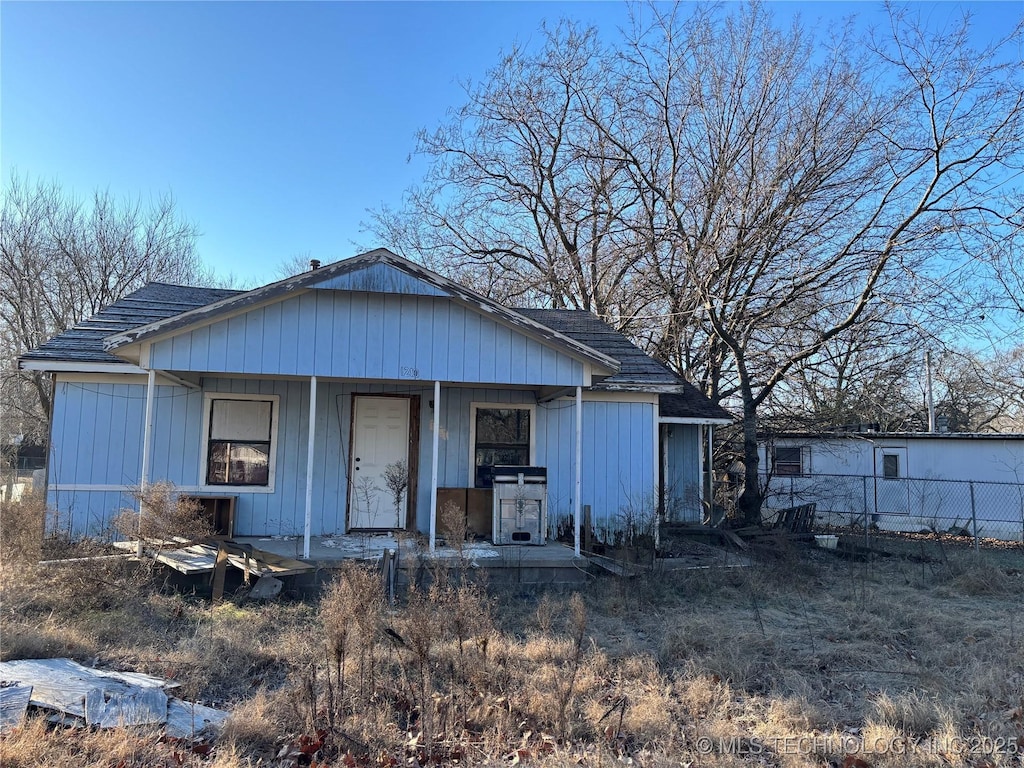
x=71 y=366
x=894 y=435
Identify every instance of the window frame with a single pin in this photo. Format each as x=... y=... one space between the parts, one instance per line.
x=204 y=438
x=803 y=468
x=476 y=406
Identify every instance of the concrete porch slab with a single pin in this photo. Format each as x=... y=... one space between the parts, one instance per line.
x=553 y=562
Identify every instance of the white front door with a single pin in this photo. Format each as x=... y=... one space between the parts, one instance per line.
x=379 y=461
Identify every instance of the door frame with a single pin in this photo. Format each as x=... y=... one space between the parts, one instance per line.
x=901 y=481
x=411 y=459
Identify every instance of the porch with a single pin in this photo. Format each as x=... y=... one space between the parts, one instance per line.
x=405 y=556
x=548 y=564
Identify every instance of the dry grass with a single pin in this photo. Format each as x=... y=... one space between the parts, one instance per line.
x=797 y=661
x=163 y=514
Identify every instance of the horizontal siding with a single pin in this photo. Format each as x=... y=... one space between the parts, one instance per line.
x=369 y=336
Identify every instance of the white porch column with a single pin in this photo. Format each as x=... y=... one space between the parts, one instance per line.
x=578 y=504
x=435 y=442
x=309 y=467
x=709 y=489
x=147 y=446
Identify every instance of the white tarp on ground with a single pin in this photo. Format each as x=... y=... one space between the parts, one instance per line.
x=108 y=699
x=14 y=700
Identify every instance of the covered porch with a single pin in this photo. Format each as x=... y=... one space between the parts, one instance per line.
x=313 y=459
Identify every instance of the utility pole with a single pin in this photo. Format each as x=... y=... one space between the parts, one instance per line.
x=928 y=385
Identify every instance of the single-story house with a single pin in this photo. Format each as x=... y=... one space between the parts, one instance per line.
x=303 y=400
x=903 y=481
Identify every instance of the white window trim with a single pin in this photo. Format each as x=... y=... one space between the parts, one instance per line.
x=275 y=411
x=474 y=407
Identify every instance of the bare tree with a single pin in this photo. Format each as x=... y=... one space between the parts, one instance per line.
x=61 y=260
x=865 y=376
x=521 y=201
x=750 y=194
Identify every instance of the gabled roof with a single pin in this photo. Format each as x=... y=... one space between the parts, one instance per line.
x=283 y=288
x=162 y=307
x=154 y=302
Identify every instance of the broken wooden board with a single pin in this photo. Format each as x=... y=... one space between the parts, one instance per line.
x=14 y=700
x=668 y=530
x=190 y=560
x=269 y=564
x=194 y=559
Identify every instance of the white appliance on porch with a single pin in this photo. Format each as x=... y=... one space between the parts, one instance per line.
x=520 y=505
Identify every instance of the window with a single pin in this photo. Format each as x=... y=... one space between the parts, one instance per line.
x=500 y=436
x=890 y=465
x=788 y=461
x=239 y=445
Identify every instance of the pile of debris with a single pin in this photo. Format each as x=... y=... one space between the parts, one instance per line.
x=79 y=695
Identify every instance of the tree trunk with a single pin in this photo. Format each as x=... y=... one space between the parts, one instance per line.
x=749 y=504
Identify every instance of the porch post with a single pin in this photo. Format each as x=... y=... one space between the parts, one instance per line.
x=709 y=488
x=435 y=440
x=309 y=467
x=147 y=447
x=578 y=505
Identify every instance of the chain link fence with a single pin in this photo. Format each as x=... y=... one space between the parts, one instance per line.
x=982 y=510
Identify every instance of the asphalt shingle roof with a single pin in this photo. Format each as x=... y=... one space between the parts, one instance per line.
x=690 y=403
x=637 y=366
x=155 y=301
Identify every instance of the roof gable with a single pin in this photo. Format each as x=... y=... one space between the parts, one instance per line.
x=343 y=270
x=379 y=278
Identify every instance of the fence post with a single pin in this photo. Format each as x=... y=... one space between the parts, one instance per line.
x=974 y=517
x=867 y=543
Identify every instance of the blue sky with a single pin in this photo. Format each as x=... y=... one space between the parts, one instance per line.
x=275 y=125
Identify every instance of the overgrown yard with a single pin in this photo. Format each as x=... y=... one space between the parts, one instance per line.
x=803 y=659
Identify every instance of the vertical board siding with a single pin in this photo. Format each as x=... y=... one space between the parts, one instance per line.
x=97 y=433
x=682 y=480
x=380 y=278
x=556 y=450
x=369 y=336
x=619 y=464
x=98 y=430
x=85 y=513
